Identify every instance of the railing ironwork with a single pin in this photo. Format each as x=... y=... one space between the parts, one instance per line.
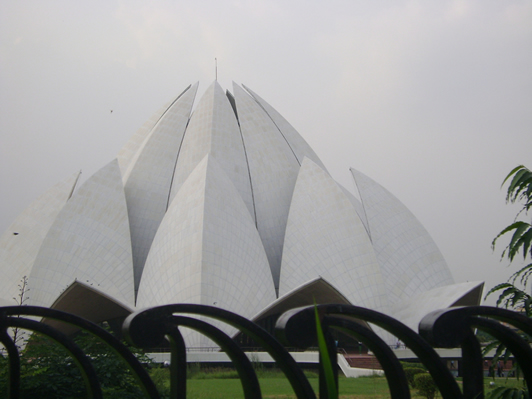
x=448 y=328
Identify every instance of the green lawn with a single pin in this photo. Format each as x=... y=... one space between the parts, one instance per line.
x=274 y=386
x=278 y=387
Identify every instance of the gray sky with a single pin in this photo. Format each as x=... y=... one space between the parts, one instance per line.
x=433 y=100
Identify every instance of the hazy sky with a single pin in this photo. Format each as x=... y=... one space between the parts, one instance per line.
x=433 y=100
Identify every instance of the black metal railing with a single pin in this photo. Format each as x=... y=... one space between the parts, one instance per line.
x=449 y=328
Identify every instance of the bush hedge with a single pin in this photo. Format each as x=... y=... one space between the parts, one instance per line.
x=425 y=385
x=410 y=373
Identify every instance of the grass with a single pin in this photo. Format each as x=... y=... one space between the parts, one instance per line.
x=279 y=388
x=224 y=383
x=276 y=387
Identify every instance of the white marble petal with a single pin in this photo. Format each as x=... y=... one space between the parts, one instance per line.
x=359 y=208
x=89 y=241
x=295 y=141
x=213 y=129
x=409 y=259
x=273 y=168
x=149 y=177
x=410 y=311
x=131 y=148
x=208 y=251
x=22 y=240
x=326 y=238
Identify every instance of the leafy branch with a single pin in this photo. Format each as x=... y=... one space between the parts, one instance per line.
x=510 y=296
x=519 y=190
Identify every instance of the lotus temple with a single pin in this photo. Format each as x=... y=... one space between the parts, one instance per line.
x=220 y=201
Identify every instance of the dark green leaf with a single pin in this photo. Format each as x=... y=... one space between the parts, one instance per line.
x=498 y=287
x=332 y=389
x=516 y=242
x=511 y=173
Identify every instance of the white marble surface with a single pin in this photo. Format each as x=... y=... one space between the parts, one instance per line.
x=208 y=251
x=88 y=241
x=409 y=259
x=410 y=311
x=20 y=243
x=210 y=207
x=273 y=168
x=149 y=176
x=213 y=129
x=325 y=237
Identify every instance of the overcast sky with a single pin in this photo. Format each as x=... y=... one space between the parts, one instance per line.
x=433 y=100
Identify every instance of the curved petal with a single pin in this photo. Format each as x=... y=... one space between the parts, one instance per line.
x=273 y=168
x=207 y=250
x=88 y=241
x=326 y=238
x=409 y=259
x=20 y=243
x=148 y=179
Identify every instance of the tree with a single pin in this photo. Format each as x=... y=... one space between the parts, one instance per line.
x=48 y=371
x=425 y=385
x=511 y=296
x=519 y=190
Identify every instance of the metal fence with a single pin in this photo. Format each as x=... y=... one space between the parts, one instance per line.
x=448 y=328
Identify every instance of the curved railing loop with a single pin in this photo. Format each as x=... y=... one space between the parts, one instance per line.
x=301 y=319
x=390 y=364
x=447 y=327
x=178 y=363
x=454 y=327
x=13 y=357
x=87 y=370
x=300 y=331
x=13 y=317
x=242 y=364
x=137 y=327
x=519 y=347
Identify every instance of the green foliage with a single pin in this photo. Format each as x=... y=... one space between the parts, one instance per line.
x=407 y=365
x=3 y=374
x=513 y=297
x=506 y=392
x=258 y=366
x=332 y=389
x=411 y=372
x=161 y=378
x=483 y=337
x=48 y=370
x=519 y=190
x=510 y=296
x=521 y=238
x=425 y=385
x=220 y=373
x=193 y=369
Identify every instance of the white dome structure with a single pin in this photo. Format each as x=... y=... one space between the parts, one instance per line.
x=223 y=204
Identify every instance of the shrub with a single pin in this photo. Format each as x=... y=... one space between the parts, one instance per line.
x=216 y=372
x=48 y=371
x=255 y=361
x=410 y=373
x=425 y=385
x=408 y=365
x=161 y=379
x=193 y=369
